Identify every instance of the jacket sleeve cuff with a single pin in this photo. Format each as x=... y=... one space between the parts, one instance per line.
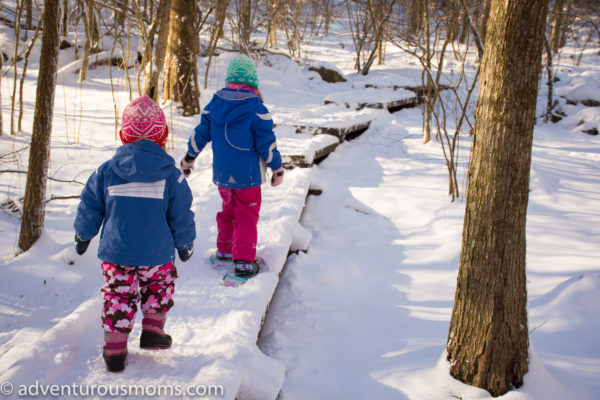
x=275 y=164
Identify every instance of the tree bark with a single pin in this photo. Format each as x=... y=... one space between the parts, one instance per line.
x=415 y=17
x=181 y=74
x=243 y=25
x=565 y=25
x=28 y=16
x=485 y=13
x=158 y=61
x=88 y=20
x=1 y=66
x=488 y=337
x=216 y=33
x=39 y=154
x=557 y=25
x=64 y=19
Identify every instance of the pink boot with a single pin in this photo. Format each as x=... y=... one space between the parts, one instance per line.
x=153 y=336
x=115 y=350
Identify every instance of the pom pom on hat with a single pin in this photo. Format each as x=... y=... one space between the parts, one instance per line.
x=144 y=119
x=242 y=70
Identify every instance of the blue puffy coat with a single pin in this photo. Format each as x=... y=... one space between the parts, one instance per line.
x=142 y=202
x=241 y=130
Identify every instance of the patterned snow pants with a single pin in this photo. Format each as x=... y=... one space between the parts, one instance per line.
x=127 y=285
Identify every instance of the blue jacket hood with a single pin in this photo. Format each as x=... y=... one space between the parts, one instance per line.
x=141 y=161
x=229 y=105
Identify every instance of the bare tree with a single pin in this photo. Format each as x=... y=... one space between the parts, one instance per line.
x=19 y=12
x=1 y=65
x=215 y=34
x=483 y=20
x=23 y=76
x=242 y=22
x=88 y=17
x=181 y=74
x=414 y=16
x=379 y=12
x=39 y=153
x=295 y=16
x=557 y=24
x=488 y=337
x=273 y=11
x=158 y=61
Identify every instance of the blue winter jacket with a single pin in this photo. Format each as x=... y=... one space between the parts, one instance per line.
x=142 y=202
x=241 y=130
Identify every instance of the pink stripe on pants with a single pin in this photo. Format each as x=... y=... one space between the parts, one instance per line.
x=237 y=222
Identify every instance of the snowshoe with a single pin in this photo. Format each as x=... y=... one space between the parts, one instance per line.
x=242 y=272
x=221 y=261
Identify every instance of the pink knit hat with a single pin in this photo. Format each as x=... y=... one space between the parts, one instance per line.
x=144 y=119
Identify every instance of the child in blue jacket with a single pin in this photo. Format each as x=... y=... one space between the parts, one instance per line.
x=243 y=143
x=142 y=202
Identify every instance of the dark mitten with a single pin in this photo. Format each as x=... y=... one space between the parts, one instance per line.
x=185 y=255
x=81 y=245
x=187 y=165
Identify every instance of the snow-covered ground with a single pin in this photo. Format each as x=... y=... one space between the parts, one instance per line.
x=364 y=313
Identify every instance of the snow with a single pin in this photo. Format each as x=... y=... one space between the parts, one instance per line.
x=362 y=308
x=585 y=91
x=369 y=96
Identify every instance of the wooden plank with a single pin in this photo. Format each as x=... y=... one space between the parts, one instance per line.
x=303 y=152
x=339 y=131
x=389 y=98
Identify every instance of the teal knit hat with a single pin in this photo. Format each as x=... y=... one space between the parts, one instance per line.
x=242 y=70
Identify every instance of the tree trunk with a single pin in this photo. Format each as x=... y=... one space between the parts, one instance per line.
x=453 y=20
x=565 y=25
x=244 y=23
x=28 y=16
x=88 y=20
x=557 y=25
x=485 y=13
x=181 y=75
x=64 y=19
x=120 y=8
x=415 y=17
x=39 y=153
x=488 y=337
x=1 y=66
x=158 y=62
x=216 y=33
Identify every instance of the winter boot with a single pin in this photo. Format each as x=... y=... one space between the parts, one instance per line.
x=115 y=351
x=223 y=257
x=246 y=269
x=153 y=336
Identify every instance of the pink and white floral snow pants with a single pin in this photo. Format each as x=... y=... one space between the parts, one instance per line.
x=127 y=285
x=237 y=222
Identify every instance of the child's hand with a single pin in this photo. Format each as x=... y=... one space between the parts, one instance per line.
x=81 y=245
x=277 y=177
x=185 y=255
x=187 y=165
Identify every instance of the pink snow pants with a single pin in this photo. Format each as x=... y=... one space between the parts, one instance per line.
x=126 y=286
x=237 y=222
